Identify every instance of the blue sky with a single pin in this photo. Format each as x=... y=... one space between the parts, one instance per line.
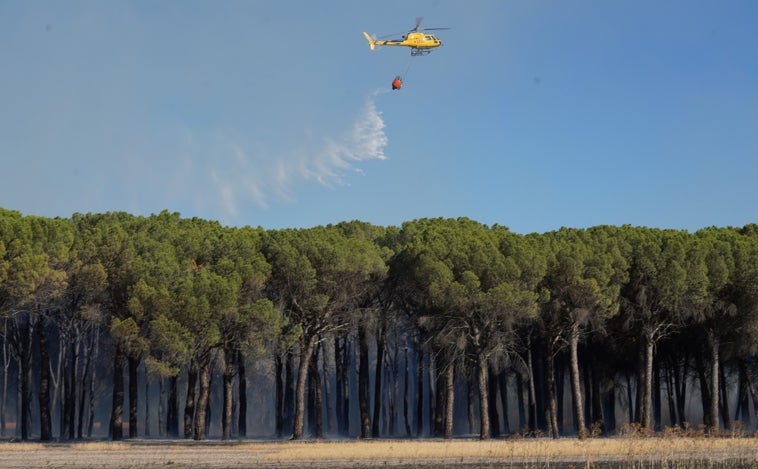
x=534 y=114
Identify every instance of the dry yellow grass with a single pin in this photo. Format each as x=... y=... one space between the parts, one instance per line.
x=537 y=452
x=507 y=449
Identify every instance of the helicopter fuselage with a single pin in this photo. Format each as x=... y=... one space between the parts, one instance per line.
x=420 y=43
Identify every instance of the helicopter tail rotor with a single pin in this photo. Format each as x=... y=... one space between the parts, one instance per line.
x=371 y=41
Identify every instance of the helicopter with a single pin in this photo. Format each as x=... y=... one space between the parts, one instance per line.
x=421 y=43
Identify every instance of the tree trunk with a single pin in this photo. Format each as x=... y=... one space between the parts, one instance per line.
x=338 y=397
x=552 y=407
x=70 y=394
x=161 y=406
x=45 y=424
x=345 y=402
x=532 y=399
x=241 y=395
x=406 y=416
x=378 y=381
x=202 y=399
x=419 y=391
x=327 y=389
x=306 y=352
x=647 y=389
x=117 y=410
x=713 y=340
x=754 y=393
x=82 y=395
x=470 y=392
x=439 y=406
x=147 y=403
x=724 y=400
x=484 y=411
x=363 y=383
x=680 y=388
x=670 y=393
x=25 y=366
x=133 y=397
x=91 y=416
x=189 y=403
x=6 y=367
x=449 y=399
x=742 y=413
x=228 y=391
x=317 y=397
x=576 y=385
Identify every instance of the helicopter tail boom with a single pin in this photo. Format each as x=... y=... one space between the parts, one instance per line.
x=371 y=42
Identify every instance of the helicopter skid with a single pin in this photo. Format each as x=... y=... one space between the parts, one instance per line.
x=418 y=52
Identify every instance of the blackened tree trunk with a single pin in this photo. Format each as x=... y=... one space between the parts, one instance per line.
x=470 y=393
x=657 y=408
x=133 y=396
x=503 y=385
x=378 y=380
x=279 y=395
x=117 y=410
x=25 y=370
x=742 y=413
x=289 y=391
x=492 y=385
x=338 y=397
x=46 y=433
x=440 y=399
x=345 y=371
x=520 y=401
x=172 y=419
x=363 y=383
x=189 y=403
x=406 y=416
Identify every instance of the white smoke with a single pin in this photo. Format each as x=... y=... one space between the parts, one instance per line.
x=243 y=173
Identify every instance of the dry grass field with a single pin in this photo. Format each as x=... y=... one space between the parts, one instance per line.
x=534 y=453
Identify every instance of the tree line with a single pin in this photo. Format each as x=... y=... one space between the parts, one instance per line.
x=435 y=328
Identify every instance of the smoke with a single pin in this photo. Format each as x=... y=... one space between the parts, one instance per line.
x=246 y=173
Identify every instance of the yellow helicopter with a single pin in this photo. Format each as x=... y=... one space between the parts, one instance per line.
x=421 y=43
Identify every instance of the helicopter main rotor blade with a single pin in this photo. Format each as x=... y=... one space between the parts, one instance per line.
x=434 y=29
x=419 y=19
